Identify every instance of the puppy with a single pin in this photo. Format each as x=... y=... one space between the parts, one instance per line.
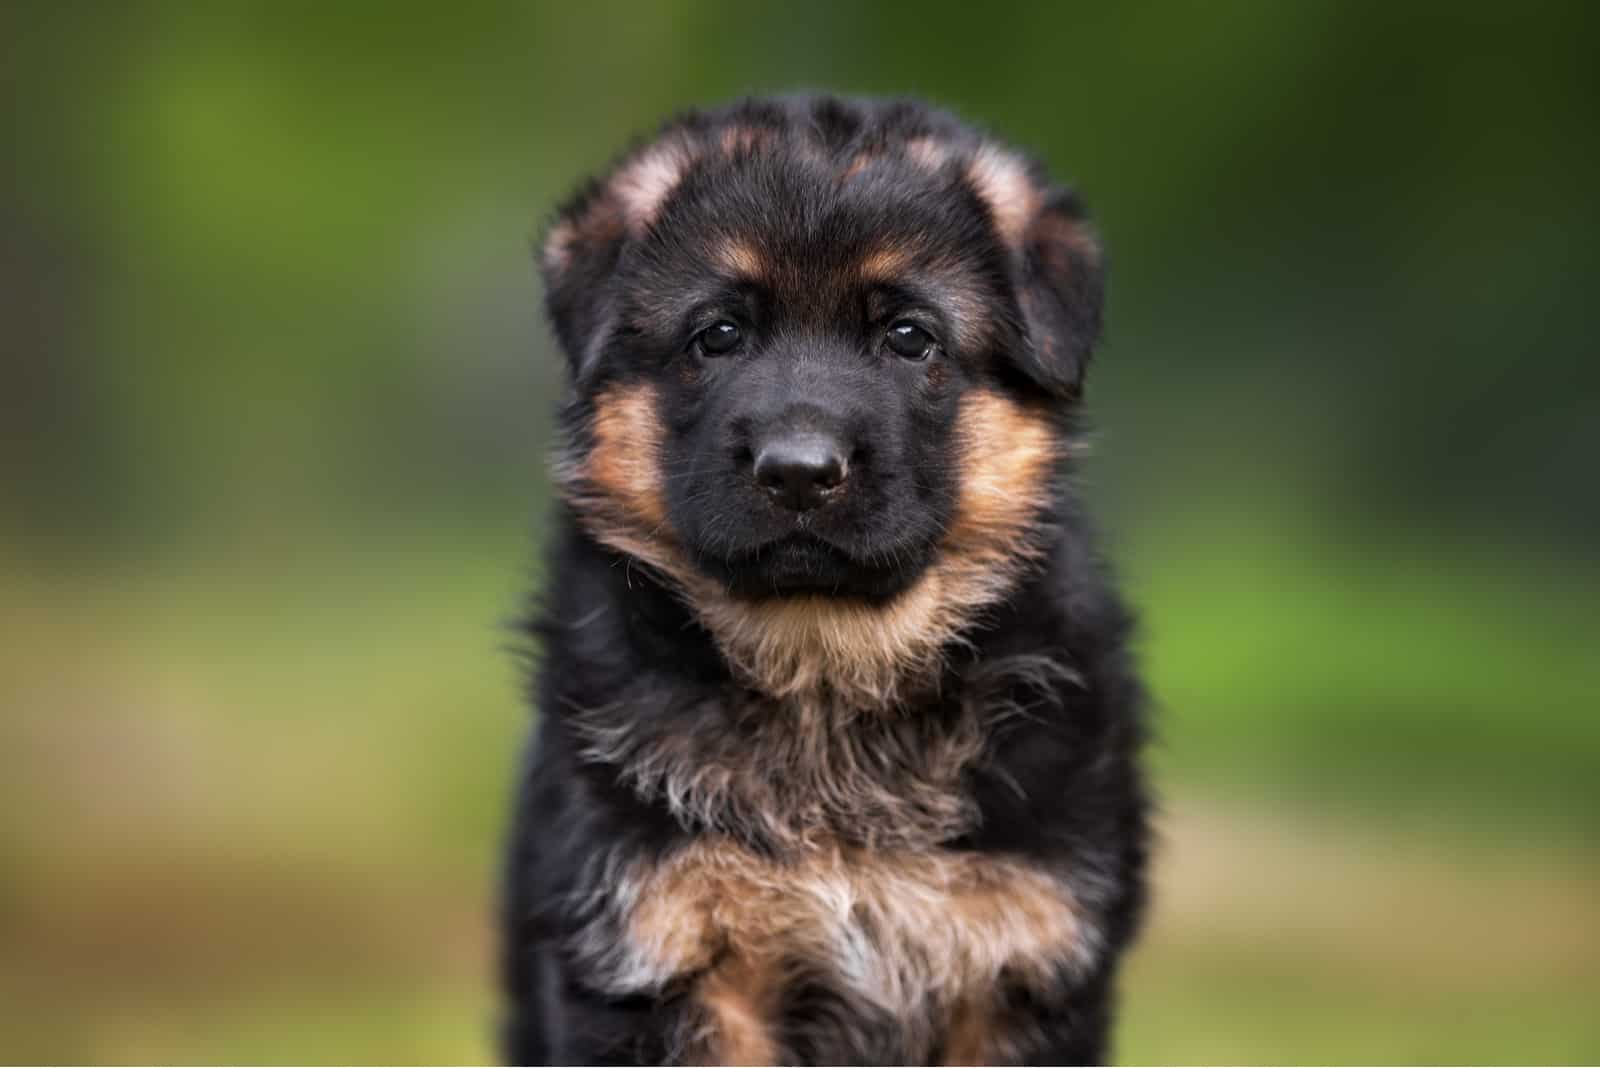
x=837 y=753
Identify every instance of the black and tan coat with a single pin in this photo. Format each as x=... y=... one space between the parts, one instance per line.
x=849 y=778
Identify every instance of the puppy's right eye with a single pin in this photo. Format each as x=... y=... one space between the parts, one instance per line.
x=910 y=341
x=718 y=339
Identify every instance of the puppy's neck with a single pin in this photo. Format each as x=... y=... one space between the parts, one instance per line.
x=684 y=729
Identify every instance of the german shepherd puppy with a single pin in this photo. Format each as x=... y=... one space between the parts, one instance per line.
x=837 y=752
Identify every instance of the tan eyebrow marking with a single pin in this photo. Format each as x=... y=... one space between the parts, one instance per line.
x=885 y=261
x=740 y=257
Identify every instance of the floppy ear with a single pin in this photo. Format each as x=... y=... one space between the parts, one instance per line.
x=577 y=259
x=1061 y=291
x=581 y=248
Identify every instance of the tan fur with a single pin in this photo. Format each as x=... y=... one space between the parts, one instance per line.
x=1002 y=181
x=737 y=1002
x=1007 y=448
x=856 y=165
x=740 y=258
x=970 y=1037
x=744 y=140
x=642 y=184
x=929 y=152
x=558 y=244
x=624 y=465
x=628 y=202
x=883 y=264
x=818 y=648
x=924 y=936
x=601 y=222
x=860 y=162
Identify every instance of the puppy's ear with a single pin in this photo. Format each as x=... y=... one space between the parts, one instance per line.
x=579 y=255
x=1056 y=265
x=1061 y=290
x=577 y=259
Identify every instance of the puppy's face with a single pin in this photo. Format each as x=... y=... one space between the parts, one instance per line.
x=786 y=309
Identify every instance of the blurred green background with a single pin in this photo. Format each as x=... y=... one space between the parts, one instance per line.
x=274 y=404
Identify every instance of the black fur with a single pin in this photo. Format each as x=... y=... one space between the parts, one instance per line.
x=1046 y=669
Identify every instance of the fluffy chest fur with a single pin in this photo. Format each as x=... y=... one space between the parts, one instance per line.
x=793 y=776
x=820 y=868
x=927 y=942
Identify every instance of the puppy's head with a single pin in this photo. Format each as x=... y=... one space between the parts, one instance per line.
x=821 y=352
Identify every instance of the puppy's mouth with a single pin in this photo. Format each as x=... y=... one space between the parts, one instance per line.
x=803 y=563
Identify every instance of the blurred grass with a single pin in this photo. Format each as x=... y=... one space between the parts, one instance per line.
x=271 y=808
x=1286 y=936
x=1372 y=677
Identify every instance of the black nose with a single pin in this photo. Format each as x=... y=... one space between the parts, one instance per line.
x=799 y=470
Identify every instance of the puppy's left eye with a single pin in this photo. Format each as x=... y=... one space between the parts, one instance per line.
x=718 y=339
x=910 y=341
